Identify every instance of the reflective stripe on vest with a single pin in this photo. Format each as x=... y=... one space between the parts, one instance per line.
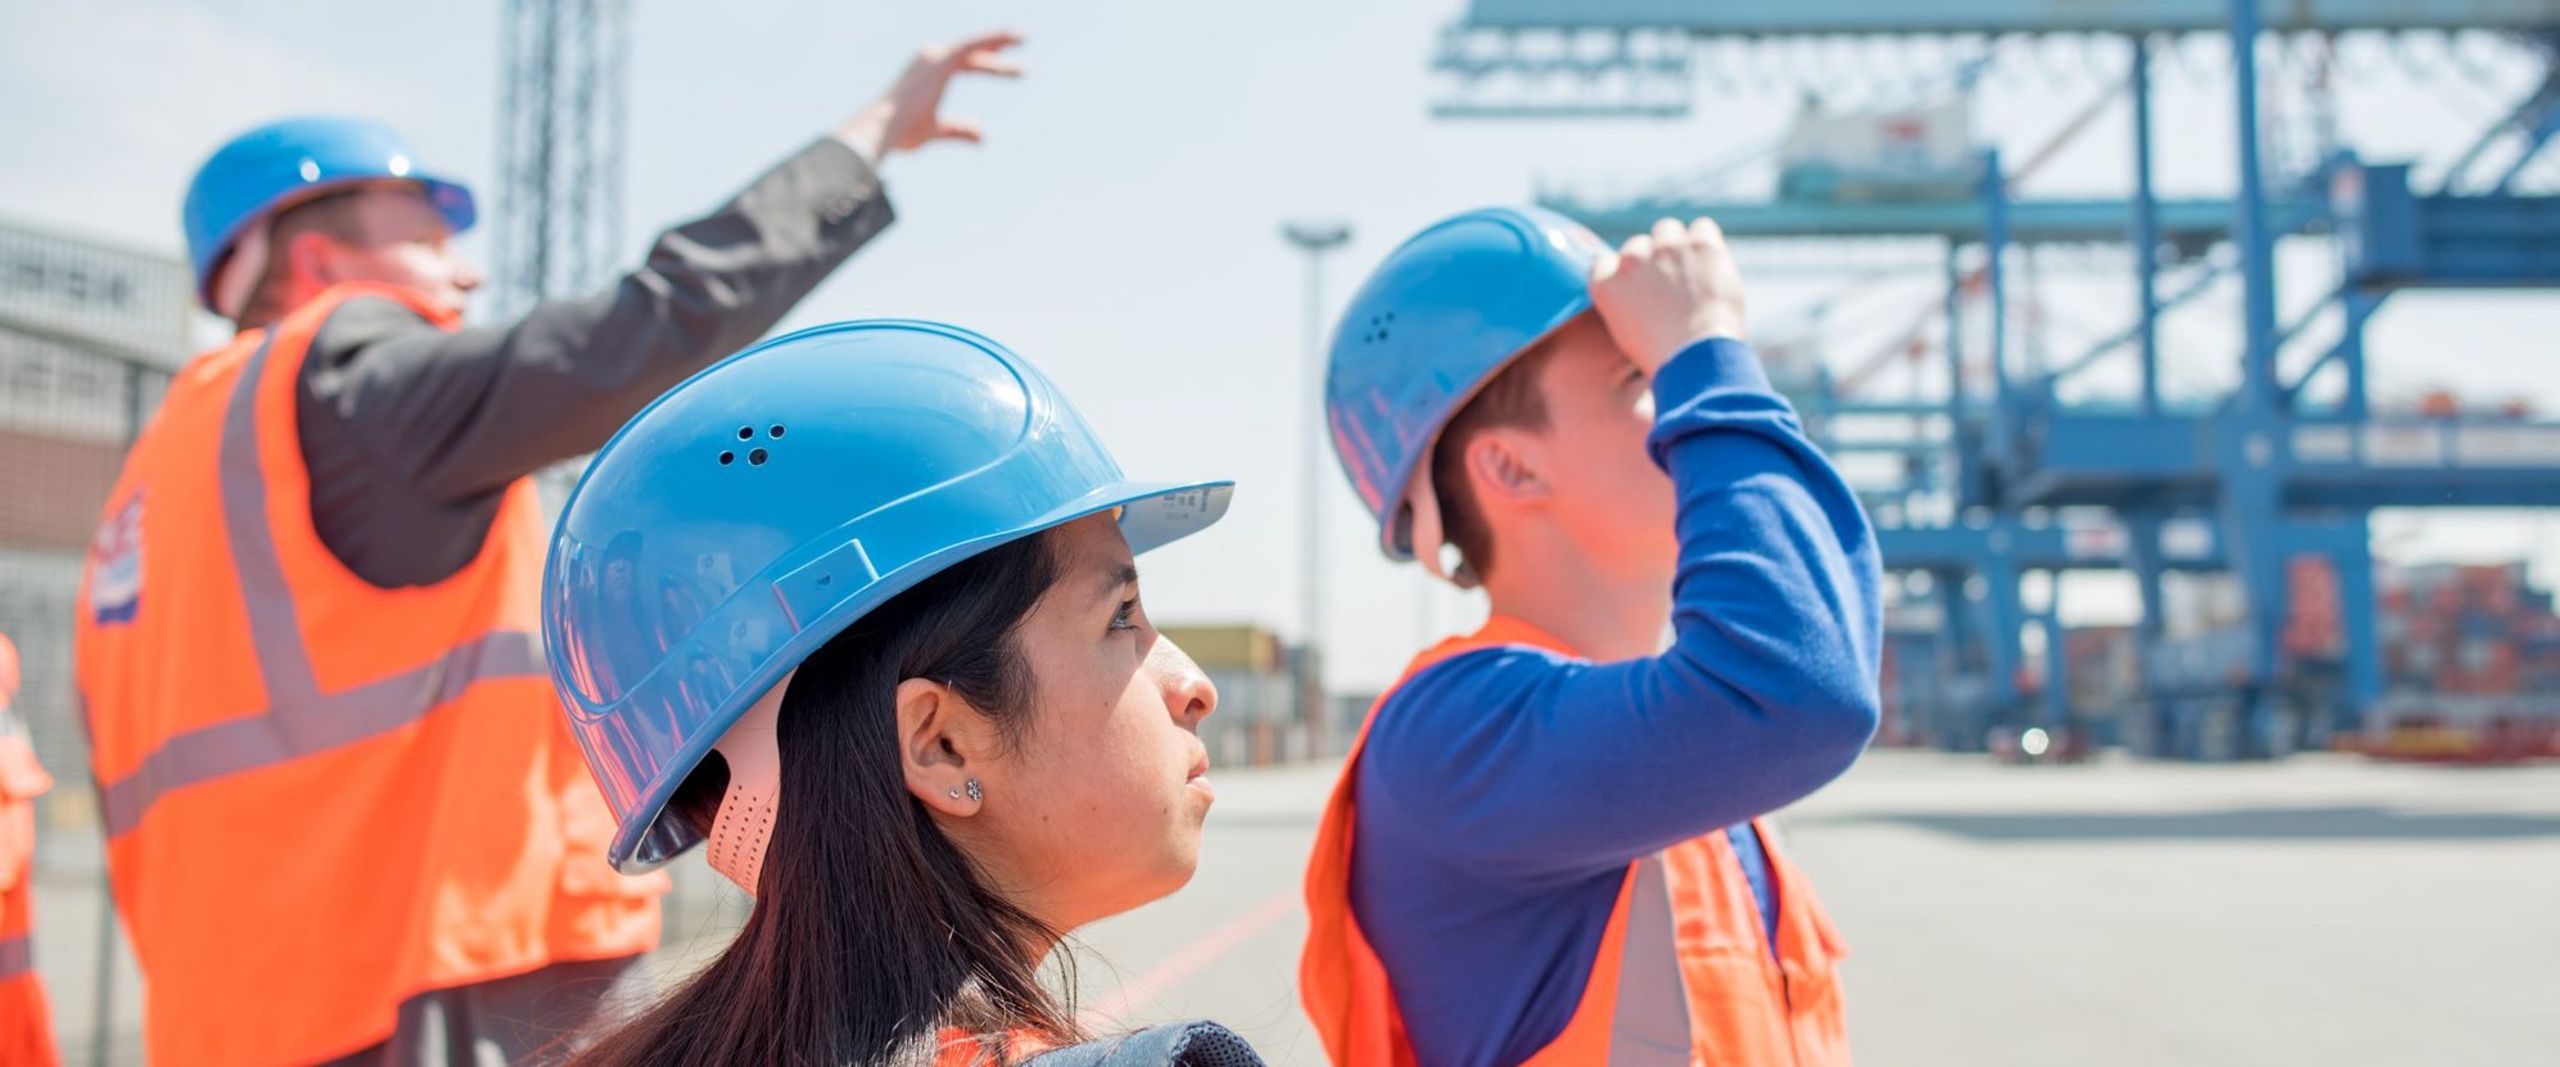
x=1651 y=1027
x=1684 y=973
x=299 y=720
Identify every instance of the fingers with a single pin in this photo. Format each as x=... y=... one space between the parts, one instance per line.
x=911 y=103
x=980 y=54
x=1666 y=288
x=1604 y=267
x=995 y=41
x=983 y=54
x=989 y=63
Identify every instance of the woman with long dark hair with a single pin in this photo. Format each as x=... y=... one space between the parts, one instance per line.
x=923 y=717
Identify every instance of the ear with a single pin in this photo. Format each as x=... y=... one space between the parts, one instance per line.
x=1508 y=466
x=938 y=732
x=311 y=259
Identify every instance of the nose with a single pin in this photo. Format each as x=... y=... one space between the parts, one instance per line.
x=467 y=275
x=1189 y=695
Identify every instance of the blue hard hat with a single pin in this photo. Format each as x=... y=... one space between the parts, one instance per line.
x=1433 y=324
x=282 y=162
x=759 y=508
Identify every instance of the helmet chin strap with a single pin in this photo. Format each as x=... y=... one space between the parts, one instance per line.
x=744 y=826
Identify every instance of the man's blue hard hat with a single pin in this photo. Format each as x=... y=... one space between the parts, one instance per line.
x=281 y=163
x=761 y=507
x=1435 y=322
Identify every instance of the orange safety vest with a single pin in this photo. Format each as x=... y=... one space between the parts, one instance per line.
x=960 y=1048
x=322 y=797
x=1687 y=910
x=26 y=1022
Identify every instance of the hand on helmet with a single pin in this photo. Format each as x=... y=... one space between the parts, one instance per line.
x=908 y=116
x=1666 y=290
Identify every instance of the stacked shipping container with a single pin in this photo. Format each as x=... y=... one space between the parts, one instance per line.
x=2471 y=658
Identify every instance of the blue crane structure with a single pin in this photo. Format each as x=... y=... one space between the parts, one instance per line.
x=2258 y=477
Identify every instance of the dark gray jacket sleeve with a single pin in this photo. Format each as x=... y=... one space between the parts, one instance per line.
x=412 y=432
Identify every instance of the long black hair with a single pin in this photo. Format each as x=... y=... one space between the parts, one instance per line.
x=872 y=933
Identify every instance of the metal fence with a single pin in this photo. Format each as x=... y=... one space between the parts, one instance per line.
x=89 y=335
x=66 y=418
x=67 y=415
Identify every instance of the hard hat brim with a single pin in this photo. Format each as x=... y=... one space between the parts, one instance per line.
x=1152 y=514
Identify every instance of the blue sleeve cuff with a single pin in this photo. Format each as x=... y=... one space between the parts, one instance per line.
x=1715 y=363
x=1713 y=384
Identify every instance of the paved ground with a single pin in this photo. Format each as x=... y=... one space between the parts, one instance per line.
x=2326 y=910
x=2322 y=911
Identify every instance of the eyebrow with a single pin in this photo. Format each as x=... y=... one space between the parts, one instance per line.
x=1117 y=575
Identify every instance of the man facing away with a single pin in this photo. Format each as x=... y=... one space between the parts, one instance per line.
x=1546 y=847
x=345 y=820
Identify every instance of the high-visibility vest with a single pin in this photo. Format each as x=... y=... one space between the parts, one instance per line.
x=26 y=1022
x=1687 y=910
x=322 y=797
x=960 y=1048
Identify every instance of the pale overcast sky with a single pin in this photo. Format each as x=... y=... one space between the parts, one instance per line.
x=1120 y=225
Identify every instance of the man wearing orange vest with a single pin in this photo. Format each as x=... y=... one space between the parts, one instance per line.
x=1546 y=846
x=346 y=822
x=26 y=1020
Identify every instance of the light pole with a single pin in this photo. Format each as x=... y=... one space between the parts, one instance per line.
x=1315 y=237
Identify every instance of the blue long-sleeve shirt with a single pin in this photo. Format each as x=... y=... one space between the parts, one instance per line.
x=1502 y=792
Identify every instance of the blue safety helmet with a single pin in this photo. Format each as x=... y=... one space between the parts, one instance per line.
x=759 y=508
x=1445 y=312
x=280 y=163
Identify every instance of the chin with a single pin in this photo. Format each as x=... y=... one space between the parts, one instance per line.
x=1185 y=861
x=1180 y=865
x=1177 y=873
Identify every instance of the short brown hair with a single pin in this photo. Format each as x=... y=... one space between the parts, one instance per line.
x=332 y=214
x=1512 y=399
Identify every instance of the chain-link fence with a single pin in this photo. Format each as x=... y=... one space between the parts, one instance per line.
x=65 y=423
x=89 y=335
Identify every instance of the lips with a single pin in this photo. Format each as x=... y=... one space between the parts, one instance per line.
x=1199 y=776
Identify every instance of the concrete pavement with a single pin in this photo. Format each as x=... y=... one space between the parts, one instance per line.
x=2322 y=910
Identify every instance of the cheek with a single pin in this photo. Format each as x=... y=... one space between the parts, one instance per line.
x=1103 y=768
x=1110 y=830
x=414 y=265
x=433 y=265
x=1611 y=454
x=1627 y=500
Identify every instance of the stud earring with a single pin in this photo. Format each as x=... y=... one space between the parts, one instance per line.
x=976 y=793
x=955 y=794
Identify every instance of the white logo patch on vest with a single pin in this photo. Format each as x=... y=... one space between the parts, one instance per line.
x=115 y=581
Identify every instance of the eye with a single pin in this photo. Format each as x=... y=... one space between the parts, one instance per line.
x=1124 y=618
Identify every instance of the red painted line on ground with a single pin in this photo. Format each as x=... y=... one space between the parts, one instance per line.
x=1185 y=963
